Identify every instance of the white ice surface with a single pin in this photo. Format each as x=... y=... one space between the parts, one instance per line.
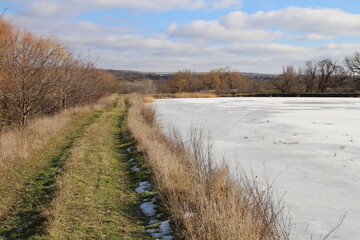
x=311 y=146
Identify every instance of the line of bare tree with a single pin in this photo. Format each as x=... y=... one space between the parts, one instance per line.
x=42 y=76
x=324 y=76
x=221 y=80
x=321 y=76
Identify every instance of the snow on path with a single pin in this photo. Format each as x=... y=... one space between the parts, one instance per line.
x=311 y=146
x=144 y=186
x=161 y=230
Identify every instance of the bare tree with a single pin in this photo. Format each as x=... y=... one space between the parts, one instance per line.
x=225 y=80
x=326 y=69
x=309 y=74
x=182 y=80
x=337 y=79
x=287 y=80
x=41 y=76
x=229 y=80
x=28 y=62
x=75 y=81
x=209 y=80
x=353 y=65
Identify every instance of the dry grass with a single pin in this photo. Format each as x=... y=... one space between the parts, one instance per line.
x=203 y=200
x=185 y=95
x=19 y=146
x=148 y=99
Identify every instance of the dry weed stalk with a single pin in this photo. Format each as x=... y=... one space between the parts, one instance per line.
x=204 y=201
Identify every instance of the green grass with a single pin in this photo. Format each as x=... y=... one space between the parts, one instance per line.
x=96 y=197
x=80 y=185
x=24 y=218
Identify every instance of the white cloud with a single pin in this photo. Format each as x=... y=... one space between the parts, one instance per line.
x=320 y=21
x=262 y=58
x=214 y=31
x=310 y=37
x=56 y=8
x=119 y=48
x=303 y=24
x=62 y=28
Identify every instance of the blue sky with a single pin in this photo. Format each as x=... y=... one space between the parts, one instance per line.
x=200 y=35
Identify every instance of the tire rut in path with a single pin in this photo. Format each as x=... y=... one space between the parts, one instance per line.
x=96 y=197
x=26 y=219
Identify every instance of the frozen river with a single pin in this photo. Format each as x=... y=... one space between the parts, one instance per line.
x=310 y=146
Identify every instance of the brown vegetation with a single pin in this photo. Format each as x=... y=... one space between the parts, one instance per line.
x=315 y=77
x=185 y=95
x=203 y=200
x=41 y=76
x=148 y=99
x=221 y=81
x=286 y=81
x=183 y=80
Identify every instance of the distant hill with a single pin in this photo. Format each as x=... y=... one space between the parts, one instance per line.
x=260 y=76
x=132 y=76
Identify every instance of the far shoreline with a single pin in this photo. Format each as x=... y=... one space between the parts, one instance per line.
x=320 y=95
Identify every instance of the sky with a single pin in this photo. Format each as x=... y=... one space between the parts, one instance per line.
x=200 y=35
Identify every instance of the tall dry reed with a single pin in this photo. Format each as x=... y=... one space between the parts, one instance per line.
x=204 y=201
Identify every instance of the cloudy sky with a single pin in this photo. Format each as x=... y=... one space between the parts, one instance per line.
x=200 y=35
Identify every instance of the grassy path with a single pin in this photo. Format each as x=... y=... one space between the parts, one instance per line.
x=84 y=189
x=24 y=217
x=96 y=199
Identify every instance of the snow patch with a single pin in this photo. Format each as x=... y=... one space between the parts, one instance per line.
x=135 y=168
x=143 y=187
x=149 y=208
x=163 y=231
x=153 y=221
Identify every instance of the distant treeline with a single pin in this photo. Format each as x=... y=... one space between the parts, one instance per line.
x=221 y=80
x=42 y=76
x=324 y=76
